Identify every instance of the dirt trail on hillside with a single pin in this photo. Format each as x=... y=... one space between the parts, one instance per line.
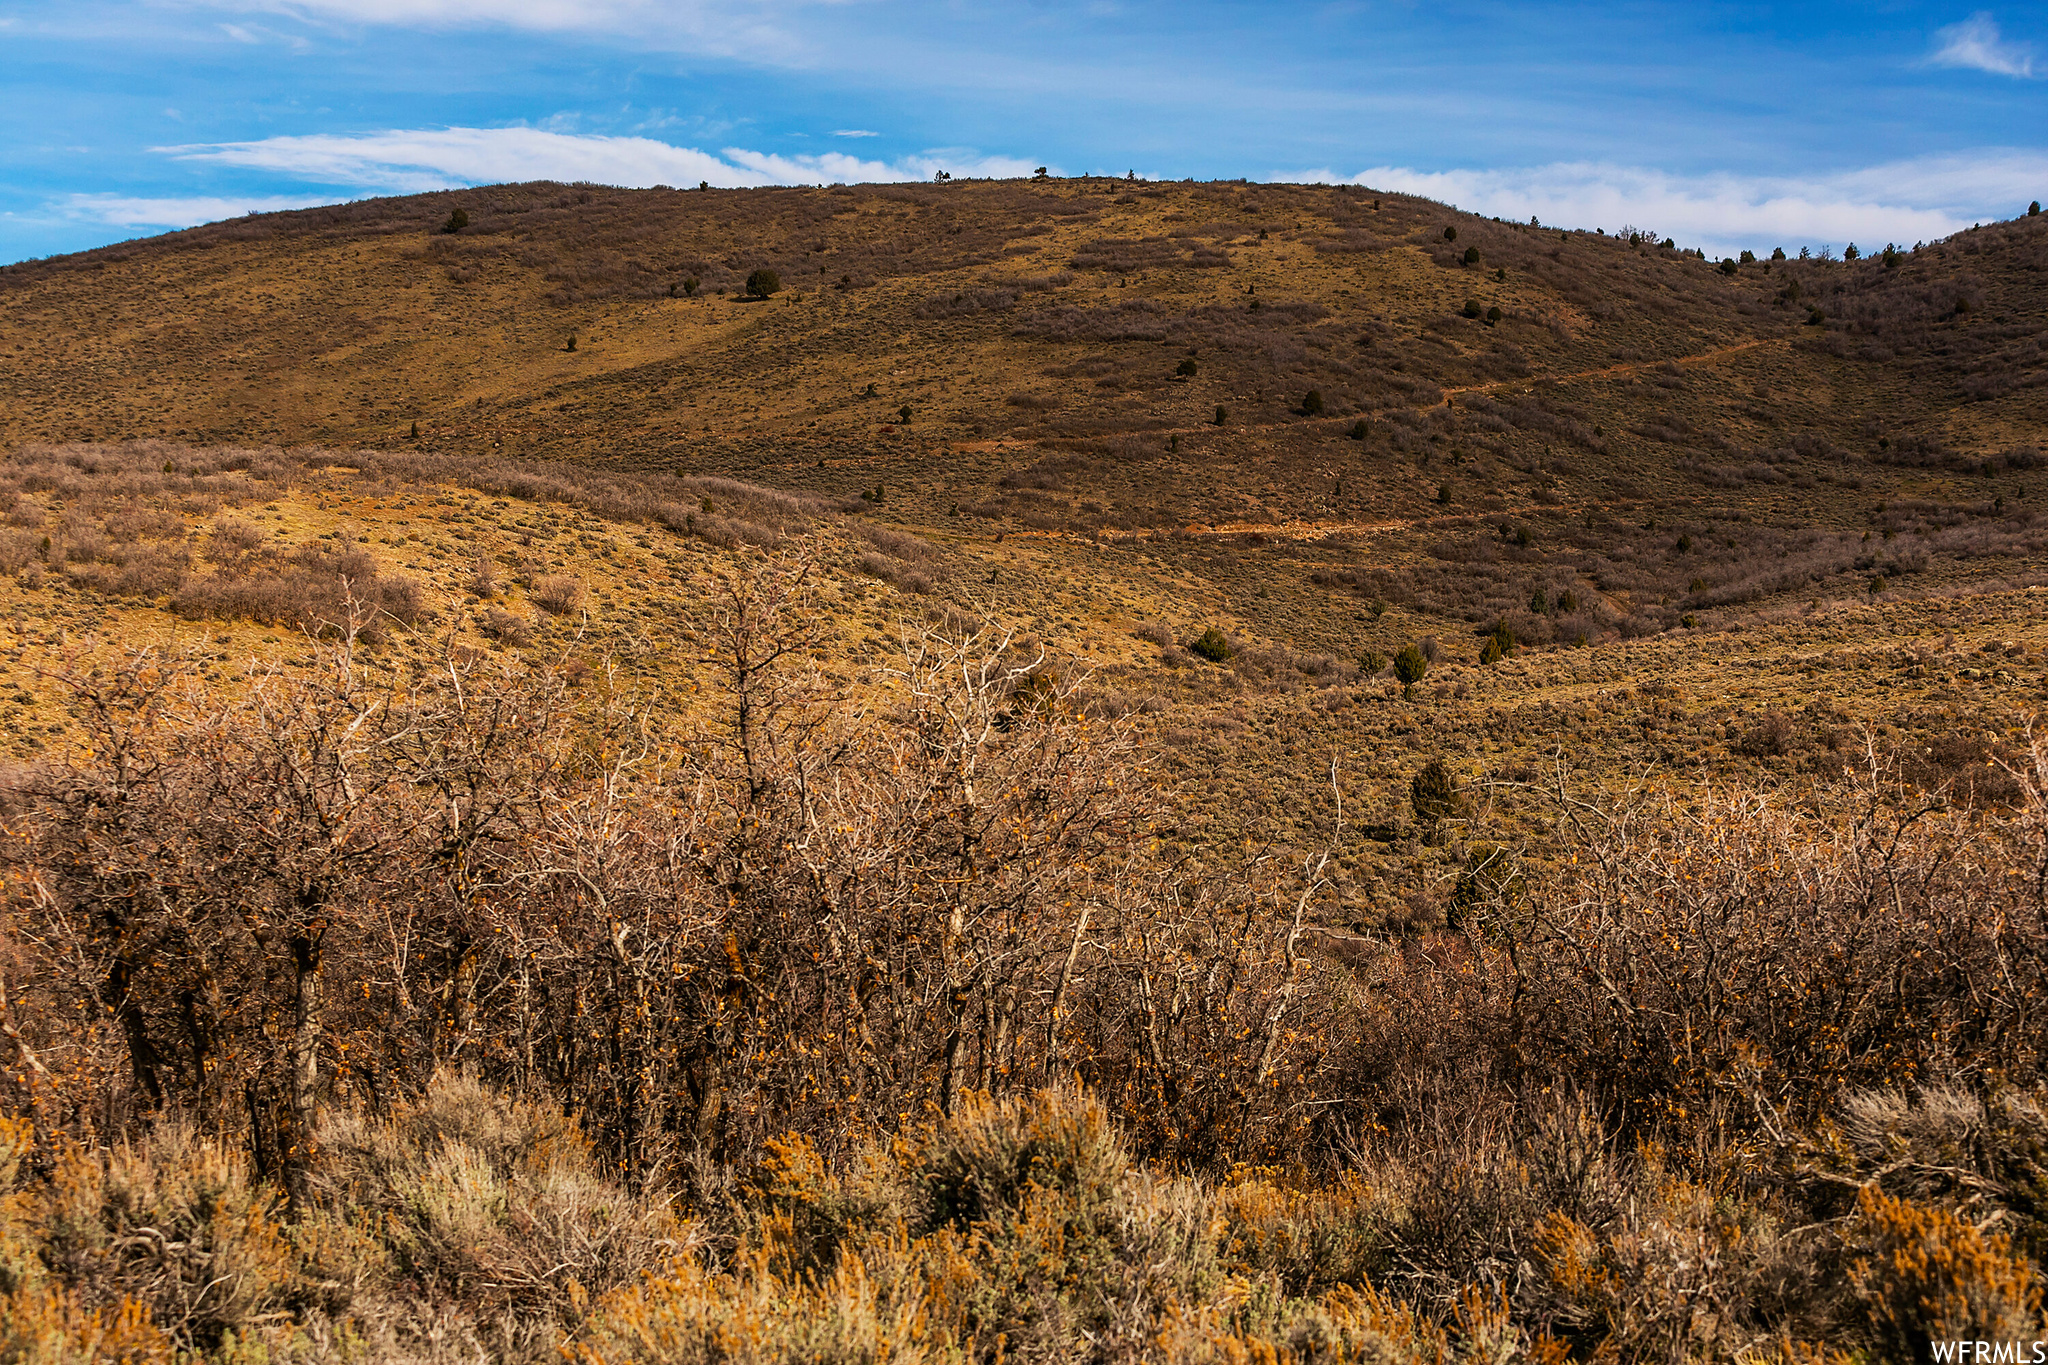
x=1607 y=372
x=1631 y=367
x=1280 y=530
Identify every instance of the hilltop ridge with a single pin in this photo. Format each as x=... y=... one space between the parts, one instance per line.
x=1017 y=321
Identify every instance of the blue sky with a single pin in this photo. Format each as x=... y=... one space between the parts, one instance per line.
x=1726 y=126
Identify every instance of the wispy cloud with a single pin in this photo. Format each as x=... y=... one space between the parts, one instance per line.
x=1723 y=213
x=1976 y=44
x=129 y=212
x=854 y=132
x=532 y=14
x=411 y=160
x=752 y=28
x=837 y=166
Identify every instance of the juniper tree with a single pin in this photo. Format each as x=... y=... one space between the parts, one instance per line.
x=1211 y=645
x=1433 y=793
x=1409 y=666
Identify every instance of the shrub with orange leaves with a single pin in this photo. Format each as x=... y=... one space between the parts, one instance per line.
x=1925 y=1274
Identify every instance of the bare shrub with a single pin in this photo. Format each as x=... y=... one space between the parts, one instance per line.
x=178 y=1225
x=1806 y=985
x=1770 y=737
x=146 y=570
x=899 y=544
x=504 y=626
x=906 y=563
x=557 y=594
x=230 y=539
x=484 y=580
x=318 y=590
x=1153 y=632
x=492 y=1203
x=17 y=550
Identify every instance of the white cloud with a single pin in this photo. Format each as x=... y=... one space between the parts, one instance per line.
x=721 y=27
x=1725 y=213
x=536 y=14
x=122 y=211
x=854 y=132
x=1976 y=44
x=411 y=160
x=837 y=166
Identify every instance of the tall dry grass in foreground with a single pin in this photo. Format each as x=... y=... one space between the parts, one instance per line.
x=378 y=1016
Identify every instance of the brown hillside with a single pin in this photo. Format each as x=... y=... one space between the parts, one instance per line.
x=1825 y=456
x=1052 y=316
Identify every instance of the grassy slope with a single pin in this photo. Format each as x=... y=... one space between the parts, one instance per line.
x=1670 y=437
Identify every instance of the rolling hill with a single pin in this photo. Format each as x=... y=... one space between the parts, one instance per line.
x=1115 y=414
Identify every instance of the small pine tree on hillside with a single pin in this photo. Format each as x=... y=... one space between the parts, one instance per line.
x=1312 y=403
x=1409 y=666
x=457 y=221
x=762 y=283
x=1211 y=645
x=1433 y=793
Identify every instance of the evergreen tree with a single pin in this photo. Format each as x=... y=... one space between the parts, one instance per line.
x=1409 y=666
x=1433 y=793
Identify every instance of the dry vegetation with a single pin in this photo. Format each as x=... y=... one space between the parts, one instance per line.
x=1117 y=772
x=841 y=998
